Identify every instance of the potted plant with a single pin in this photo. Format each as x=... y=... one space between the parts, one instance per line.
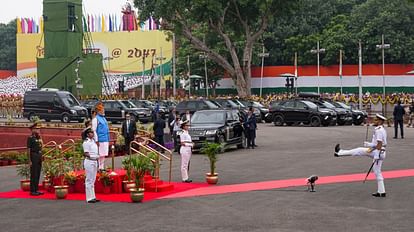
x=211 y=150
x=59 y=167
x=70 y=179
x=129 y=183
x=106 y=181
x=23 y=170
x=140 y=165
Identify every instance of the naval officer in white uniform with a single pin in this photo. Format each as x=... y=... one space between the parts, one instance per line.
x=374 y=149
x=90 y=150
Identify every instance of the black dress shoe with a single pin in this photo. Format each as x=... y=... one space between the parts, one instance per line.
x=96 y=200
x=394 y=137
x=40 y=193
x=337 y=148
x=255 y=145
x=34 y=194
x=187 y=181
x=379 y=194
x=92 y=201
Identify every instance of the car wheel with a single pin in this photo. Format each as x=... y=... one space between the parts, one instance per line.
x=31 y=117
x=358 y=122
x=278 y=120
x=222 y=143
x=289 y=123
x=315 y=121
x=243 y=143
x=65 y=118
x=341 y=123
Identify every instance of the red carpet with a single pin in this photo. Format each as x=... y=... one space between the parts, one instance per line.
x=200 y=189
x=276 y=184
x=123 y=197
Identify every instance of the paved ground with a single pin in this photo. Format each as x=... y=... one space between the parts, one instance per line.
x=283 y=153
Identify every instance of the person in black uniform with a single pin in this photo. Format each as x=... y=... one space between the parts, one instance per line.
x=159 y=126
x=250 y=127
x=129 y=130
x=34 y=151
x=398 y=119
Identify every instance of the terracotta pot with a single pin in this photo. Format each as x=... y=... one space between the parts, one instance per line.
x=46 y=185
x=25 y=185
x=212 y=179
x=136 y=194
x=61 y=191
x=126 y=185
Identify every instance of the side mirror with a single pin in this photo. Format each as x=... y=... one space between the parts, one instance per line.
x=306 y=108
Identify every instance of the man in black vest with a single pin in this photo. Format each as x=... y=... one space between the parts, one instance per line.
x=398 y=119
x=129 y=129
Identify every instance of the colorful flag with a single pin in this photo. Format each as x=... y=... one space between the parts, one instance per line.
x=19 y=26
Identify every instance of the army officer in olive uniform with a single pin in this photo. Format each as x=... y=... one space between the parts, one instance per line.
x=34 y=151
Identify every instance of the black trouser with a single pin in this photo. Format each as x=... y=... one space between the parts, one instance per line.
x=35 y=169
x=396 y=123
x=160 y=139
x=251 y=136
x=127 y=143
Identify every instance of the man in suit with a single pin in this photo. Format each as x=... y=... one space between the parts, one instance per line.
x=250 y=127
x=129 y=129
x=159 y=126
x=171 y=118
x=398 y=119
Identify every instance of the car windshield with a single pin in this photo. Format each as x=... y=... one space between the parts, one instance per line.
x=343 y=105
x=208 y=117
x=129 y=104
x=211 y=105
x=328 y=105
x=310 y=104
x=239 y=103
x=69 y=100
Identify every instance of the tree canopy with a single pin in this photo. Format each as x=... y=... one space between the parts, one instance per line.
x=8 y=46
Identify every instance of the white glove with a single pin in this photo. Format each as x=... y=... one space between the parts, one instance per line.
x=368 y=144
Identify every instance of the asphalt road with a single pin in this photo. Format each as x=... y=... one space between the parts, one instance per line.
x=283 y=153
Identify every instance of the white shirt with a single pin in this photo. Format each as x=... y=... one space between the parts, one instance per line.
x=90 y=146
x=94 y=126
x=185 y=137
x=380 y=134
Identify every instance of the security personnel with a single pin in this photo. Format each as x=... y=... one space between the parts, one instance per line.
x=185 y=151
x=374 y=149
x=90 y=151
x=34 y=151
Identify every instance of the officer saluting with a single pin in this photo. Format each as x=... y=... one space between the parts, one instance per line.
x=374 y=149
x=90 y=163
x=34 y=151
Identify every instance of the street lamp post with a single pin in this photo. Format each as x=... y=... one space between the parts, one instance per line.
x=383 y=46
x=317 y=52
x=204 y=56
x=161 y=59
x=262 y=55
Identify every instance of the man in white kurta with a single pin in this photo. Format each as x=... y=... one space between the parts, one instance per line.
x=374 y=149
x=100 y=128
x=90 y=150
x=185 y=151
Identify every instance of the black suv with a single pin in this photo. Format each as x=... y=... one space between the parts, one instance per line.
x=344 y=116
x=195 y=105
x=52 y=104
x=358 y=116
x=244 y=107
x=220 y=126
x=301 y=111
x=163 y=111
x=115 y=111
x=264 y=112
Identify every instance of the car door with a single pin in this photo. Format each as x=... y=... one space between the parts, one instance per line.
x=109 y=111
x=301 y=111
x=57 y=108
x=229 y=127
x=287 y=110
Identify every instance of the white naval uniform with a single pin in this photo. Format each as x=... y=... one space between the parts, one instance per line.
x=380 y=135
x=91 y=167
x=185 y=152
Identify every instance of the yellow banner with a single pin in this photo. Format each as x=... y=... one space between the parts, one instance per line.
x=123 y=52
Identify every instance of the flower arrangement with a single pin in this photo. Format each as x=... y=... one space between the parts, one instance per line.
x=105 y=179
x=70 y=177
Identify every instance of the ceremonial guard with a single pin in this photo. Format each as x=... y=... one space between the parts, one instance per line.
x=185 y=151
x=100 y=128
x=90 y=151
x=34 y=151
x=374 y=149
